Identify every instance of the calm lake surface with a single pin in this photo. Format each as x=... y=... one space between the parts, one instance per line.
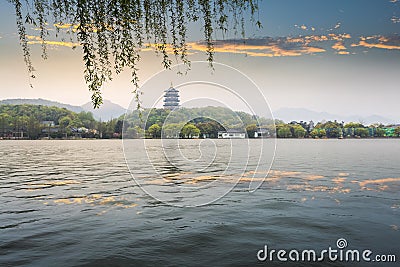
x=74 y=203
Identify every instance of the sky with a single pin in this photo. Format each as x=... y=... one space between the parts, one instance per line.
x=337 y=56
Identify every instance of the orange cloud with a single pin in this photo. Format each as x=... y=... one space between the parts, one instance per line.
x=33 y=37
x=339 y=46
x=55 y=43
x=339 y=37
x=271 y=49
x=37 y=40
x=377 y=45
x=315 y=38
x=65 y=26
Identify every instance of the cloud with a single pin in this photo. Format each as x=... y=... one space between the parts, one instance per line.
x=339 y=37
x=292 y=45
x=395 y=19
x=382 y=42
x=55 y=43
x=319 y=38
x=340 y=48
x=337 y=26
x=263 y=47
x=32 y=39
x=304 y=27
x=65 y=26
x=270 y=46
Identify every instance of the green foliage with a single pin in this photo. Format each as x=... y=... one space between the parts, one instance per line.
x=334 y=132
x=397 y=131
x=190 y=131
x=354 y=125
x=320 y=133
x=328 y=125
x=118 y=127
x=37 y=121
x=283 y=131
x=109 y=129
x=64 y=122
x=298 y=131
x=172 y=130
x=112 y=33
x=380 y=132
x=314 y=133
x=28 y=119
x=156 y=116
x=154 y=131
x=209 y=120
x=222 y=117
x=86 y=118
x=209 y=128
x=41 y=113
x=76 y=123
x=361 y=132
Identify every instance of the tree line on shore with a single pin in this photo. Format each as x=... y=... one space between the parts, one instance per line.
x=161 y=123
x=335 y=129
x=36 y=121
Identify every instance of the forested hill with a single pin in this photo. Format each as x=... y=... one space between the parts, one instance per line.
x=42 y=102
x=106 y=112
x=222 y=115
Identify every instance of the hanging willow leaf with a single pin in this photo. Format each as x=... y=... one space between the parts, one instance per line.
x=112 y=33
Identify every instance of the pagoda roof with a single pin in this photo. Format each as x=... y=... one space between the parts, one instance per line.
x=171 y=89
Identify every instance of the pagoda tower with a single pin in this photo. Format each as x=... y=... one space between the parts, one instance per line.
x=171 y=98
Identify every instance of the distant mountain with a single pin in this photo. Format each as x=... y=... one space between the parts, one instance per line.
x=107 y=110
x=298 y=114
x=39 y=101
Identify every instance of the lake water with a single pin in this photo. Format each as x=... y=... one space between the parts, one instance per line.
x=74 y=203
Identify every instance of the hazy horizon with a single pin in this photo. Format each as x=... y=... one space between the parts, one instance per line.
x=286 y=114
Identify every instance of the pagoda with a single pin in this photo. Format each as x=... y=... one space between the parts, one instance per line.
x=171 y=98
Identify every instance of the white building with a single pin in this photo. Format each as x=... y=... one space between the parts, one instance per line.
x=232 y=134
x=262 y=133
